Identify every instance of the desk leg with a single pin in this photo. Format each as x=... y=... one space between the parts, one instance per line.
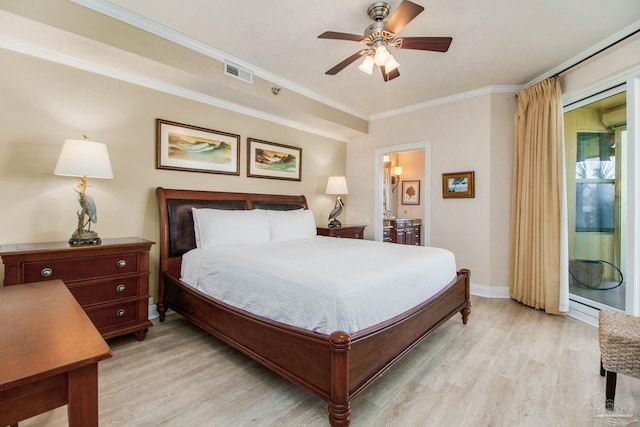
x=83 y=397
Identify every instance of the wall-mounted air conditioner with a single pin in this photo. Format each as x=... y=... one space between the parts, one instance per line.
x=615 y=117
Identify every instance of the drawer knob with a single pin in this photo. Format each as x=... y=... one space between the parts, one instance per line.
x=120 y=313
x=121 y=263
x=46 y=272
x=120 y=288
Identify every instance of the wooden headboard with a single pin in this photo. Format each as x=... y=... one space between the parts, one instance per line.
x=177 y=235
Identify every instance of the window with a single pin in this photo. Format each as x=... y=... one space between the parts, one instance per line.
x=595 y=182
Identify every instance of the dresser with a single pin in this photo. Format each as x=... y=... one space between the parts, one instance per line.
x=110 y=280
x=386 y=233
x=406 y=231
x=345 y=232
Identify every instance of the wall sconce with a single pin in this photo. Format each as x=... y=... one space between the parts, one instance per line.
x=336 y=185
x=395 y=177
x=84 y=158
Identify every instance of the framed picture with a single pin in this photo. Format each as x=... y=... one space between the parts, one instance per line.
x=456 y=185
x=410 y=192
x=276 y=161
x=195 y=149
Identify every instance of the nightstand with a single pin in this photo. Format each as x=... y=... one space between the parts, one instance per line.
x=110 y=280
x=346 y=231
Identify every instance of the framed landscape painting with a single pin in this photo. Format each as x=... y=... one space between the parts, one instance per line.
x=192 y=148
x=275 y=161
x=458 y=185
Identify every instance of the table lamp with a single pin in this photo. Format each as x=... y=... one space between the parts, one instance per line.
x=336 y=185
x=84 y=158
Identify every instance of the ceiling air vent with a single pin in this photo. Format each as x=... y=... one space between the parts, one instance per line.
x=238 y=72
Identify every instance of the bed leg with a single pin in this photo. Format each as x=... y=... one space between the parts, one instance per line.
x=162 y=310
x=339 y=405
x=465 y=314
x=467 y=285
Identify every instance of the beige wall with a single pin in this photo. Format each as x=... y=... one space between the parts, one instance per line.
x=44 y=103
x=473 y=134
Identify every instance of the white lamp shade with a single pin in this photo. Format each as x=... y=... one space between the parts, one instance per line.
x=397 y=170
x=391 y=64
x=367 y=65
x=84 y=158
x=337 y=185
x=381 y=56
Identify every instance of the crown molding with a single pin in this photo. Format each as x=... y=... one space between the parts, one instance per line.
x=116 y=12
x=31 y=49
x=447 y=100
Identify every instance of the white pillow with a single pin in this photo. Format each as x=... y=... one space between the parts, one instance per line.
x=217 y=227
x=291 y=225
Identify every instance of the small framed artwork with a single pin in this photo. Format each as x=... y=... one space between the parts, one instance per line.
x=195 y=149
x=456 y=185
x=275 y=161
x=410 y=192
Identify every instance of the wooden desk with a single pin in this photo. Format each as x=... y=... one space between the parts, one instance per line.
x=49 y=354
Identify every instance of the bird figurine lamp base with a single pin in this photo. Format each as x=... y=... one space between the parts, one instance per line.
x=333 y=215
x=81 y=235
x=86 y=237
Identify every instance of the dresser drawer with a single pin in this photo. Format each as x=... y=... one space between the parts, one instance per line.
x=106 y=291
x=69 y=270
x=348 y=233
x=114 y=314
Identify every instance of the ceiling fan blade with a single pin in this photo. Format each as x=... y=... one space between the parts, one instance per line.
x=402 y=16
x=339 y=67
x=435 y=44
x=392 y=75
x=340 y=36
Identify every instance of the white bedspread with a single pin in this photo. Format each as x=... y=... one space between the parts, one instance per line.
x=322 y=284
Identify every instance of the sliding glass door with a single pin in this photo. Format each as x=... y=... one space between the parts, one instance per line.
x=595 y=155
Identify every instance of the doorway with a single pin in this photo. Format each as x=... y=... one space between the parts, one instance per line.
x=596 y=152
x=382 y=185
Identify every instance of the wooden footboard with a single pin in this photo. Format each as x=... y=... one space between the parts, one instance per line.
x=336 y=367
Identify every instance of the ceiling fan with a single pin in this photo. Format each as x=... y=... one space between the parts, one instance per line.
x=381 y=35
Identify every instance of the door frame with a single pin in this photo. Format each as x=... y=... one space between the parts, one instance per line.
x=425 y=146
x=631 y=83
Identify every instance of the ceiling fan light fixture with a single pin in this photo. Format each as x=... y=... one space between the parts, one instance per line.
x=391 y=64
x=367 y=65
x=381 y=55
x=382 y=34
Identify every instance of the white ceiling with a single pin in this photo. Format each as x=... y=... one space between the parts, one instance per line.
x=495 y=42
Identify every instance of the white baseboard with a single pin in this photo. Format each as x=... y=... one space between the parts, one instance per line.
x=153 y=311
x=490 y=291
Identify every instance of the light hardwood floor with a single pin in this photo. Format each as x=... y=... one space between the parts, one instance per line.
x=510 y=366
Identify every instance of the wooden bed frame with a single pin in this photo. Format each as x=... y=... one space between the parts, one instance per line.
x=335 y=367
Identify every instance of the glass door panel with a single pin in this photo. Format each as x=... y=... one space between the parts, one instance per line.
x=595 y=150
